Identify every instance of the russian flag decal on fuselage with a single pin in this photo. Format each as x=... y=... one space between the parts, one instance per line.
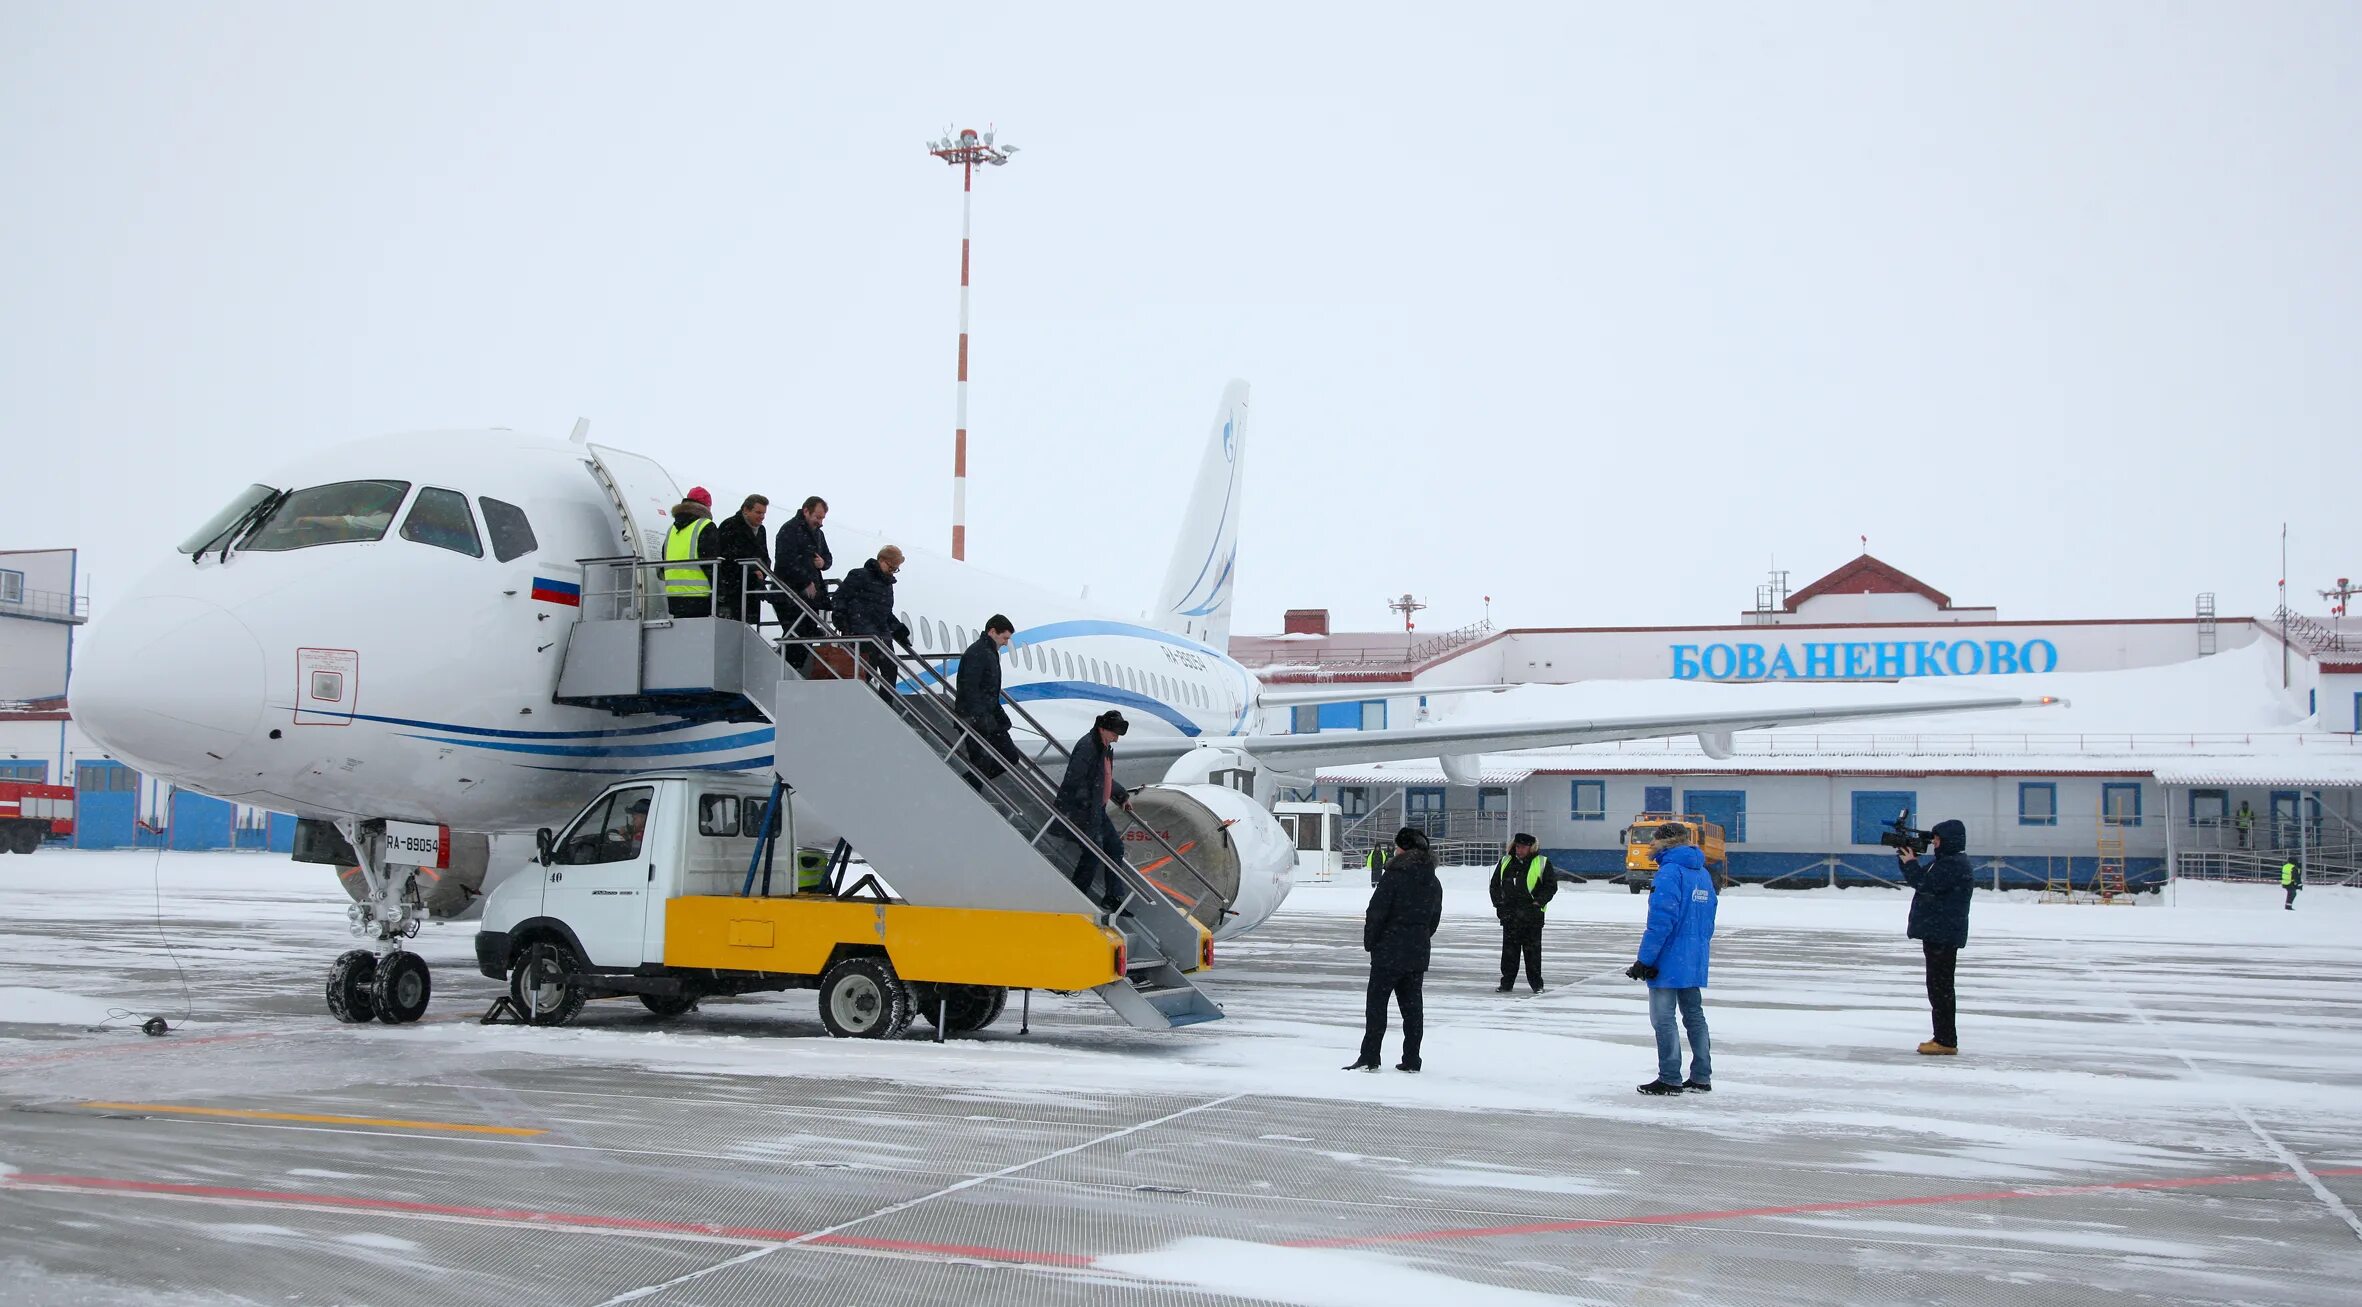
x=557 y=592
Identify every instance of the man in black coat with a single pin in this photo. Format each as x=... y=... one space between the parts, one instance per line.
x=1083 y=797
x=978 y=700
x=865 y=606
x=1939 y=921
x=1522 y=886
x=803 y=564
x=1404 y=911
x=742 y=538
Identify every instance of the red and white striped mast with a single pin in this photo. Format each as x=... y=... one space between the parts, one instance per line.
x=965 y=151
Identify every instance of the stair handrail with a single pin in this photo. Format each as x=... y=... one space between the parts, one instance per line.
x=1032 y=780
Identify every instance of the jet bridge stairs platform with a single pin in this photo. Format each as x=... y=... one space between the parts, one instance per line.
x=887 y=771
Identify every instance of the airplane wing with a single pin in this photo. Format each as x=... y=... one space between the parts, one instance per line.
x=1304 y=753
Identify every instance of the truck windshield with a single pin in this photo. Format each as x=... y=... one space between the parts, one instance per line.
x=339 y=513
x=218 y=525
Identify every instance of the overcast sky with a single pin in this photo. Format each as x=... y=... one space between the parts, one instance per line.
x=1594 y=309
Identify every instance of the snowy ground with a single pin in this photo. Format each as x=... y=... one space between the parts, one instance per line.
x=2153 y=1101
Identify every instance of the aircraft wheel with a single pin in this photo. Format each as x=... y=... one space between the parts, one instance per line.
x=349 y=980
x=972 y=1007
x=669 y=1005
x=862 y=998
x=543 y=985
x=401 y=988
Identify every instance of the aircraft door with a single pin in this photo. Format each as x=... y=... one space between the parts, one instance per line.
x=601 y=876
x=643 y=495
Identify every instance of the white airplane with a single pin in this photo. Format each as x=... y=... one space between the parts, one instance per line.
x=376 y=634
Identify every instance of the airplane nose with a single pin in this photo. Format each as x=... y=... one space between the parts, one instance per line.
x=170 y=684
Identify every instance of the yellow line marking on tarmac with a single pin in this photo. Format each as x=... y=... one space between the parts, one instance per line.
x=249 y=1114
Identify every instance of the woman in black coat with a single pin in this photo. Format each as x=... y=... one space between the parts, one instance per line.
x=1404 y=911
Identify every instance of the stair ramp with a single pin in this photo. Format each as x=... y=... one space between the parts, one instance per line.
x=881 y=759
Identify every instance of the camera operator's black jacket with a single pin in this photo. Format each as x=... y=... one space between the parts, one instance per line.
x=1939 y=909
x=1404 y=912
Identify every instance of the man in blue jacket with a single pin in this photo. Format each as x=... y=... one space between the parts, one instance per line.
x=1674 y=952
x=1939 y=921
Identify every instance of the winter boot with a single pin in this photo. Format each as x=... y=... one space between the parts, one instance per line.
x=1660 y=1087
x=1934 y=1049
x=1696 y=1087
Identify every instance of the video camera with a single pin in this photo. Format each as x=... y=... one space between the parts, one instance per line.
x=1906 y=836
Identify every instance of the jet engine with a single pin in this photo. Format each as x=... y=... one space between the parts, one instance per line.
x=1239 y=863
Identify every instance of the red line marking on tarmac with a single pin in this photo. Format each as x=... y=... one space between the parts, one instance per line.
x=527 y=1217
x=1806 y=1209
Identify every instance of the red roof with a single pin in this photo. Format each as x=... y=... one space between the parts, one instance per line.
x=1867 y=575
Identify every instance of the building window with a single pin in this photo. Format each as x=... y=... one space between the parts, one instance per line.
x=1874 y=812
x=1354 y=800
x=1373 y=715
x=1492 y=798
x=2120 y=805
x=14 y=769
x=12 y=587
x=105 y=778
x=2038 y=803
x=1304 y=719
x=1725 y=808
x=2210 y=808
x=1590 y=801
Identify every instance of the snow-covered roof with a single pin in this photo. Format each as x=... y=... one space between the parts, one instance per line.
x=1502 y=772
x=2323 y=771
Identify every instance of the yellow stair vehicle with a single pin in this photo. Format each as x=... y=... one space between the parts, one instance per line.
x=1640 y=871
x=662 y=889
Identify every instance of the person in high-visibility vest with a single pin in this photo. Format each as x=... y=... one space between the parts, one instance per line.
x=2292 y=879
x=1522 y=886
x=811 y=871
x=688 y=589
x=1377 y=862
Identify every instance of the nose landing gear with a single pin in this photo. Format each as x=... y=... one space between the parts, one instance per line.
x=382 y=983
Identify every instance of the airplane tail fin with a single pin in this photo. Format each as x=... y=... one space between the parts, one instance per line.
x=1198 y=586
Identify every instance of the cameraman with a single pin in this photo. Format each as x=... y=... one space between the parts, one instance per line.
x=1939 y=921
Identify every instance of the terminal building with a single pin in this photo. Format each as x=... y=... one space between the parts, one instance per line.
x=2213 y=745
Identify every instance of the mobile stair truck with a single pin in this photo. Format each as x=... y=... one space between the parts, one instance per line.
x=664 y=886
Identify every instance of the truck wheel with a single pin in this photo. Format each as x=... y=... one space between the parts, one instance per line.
x=862 y=998
x=1633 y=886
x=348 y=987
x=972 y=1007
x=543 y=984
x=669 y=1005
x=28 y=837
x=401 y=988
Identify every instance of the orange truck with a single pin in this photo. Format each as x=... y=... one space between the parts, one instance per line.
x=31 y=813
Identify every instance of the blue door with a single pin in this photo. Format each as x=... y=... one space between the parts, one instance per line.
x=1657 y=798
x=1725 y=808
x=1875 y=810
x=200 y=821
x=1423 y=808
x=106 y=805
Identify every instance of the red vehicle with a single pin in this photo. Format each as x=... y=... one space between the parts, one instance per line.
x=32 y=813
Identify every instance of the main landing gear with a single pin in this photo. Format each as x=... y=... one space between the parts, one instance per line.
x=382 y=982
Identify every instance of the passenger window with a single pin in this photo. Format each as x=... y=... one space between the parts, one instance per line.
x=752 y=823
x=717 y=814
x=512 y=535
x=344 y=512
x=440 y=518
x=612 y=831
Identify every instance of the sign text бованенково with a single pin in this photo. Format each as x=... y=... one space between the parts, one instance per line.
x=1863 y=660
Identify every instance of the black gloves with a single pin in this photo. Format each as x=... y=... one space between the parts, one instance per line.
x=1641 y=971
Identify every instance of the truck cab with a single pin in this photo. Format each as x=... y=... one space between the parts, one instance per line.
x=675 y=887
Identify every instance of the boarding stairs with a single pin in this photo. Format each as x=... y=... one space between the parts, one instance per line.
x=887 y=769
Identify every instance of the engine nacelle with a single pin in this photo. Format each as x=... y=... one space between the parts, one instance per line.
x=1244 y=863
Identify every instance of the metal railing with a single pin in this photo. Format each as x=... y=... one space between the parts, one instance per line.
x=921 y=693
x=1392 y=655
x=54 y=604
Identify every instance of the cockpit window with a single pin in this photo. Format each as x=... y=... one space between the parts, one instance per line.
x=339 y=513
x=512 y=535
x=440 y=518
x=218 y=525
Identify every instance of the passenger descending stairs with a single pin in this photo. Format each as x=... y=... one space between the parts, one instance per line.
x=885 y=771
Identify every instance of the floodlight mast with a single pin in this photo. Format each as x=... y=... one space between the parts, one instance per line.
x=965 y=150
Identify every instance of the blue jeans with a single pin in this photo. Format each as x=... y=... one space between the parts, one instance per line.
x=1692 y=1005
